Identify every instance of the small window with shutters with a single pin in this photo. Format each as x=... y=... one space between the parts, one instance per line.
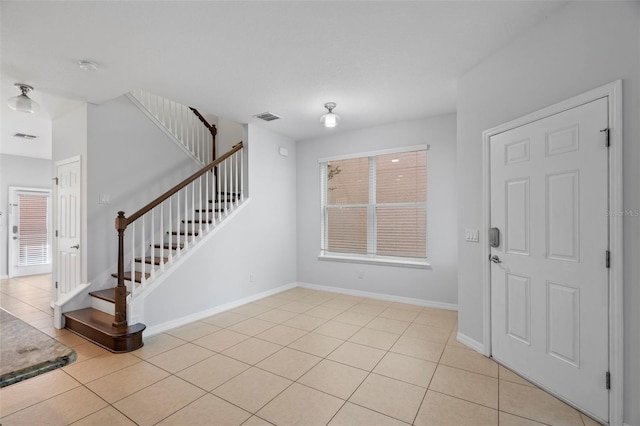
x=374 y=207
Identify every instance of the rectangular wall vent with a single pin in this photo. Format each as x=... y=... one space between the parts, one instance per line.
x=25 y=136
x=266 y=116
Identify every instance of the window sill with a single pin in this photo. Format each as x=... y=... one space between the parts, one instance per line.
x=377 y=260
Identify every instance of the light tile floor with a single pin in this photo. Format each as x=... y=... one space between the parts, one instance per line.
x=301 y=357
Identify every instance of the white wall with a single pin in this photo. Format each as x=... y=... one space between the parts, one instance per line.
x=18 y=171
x=583 y=46
x=229 y=134
x=437 y=284
x=260 y=240
x=132 y=161
x=69 y=134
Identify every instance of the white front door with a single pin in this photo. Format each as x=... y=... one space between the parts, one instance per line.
x=549 y=294
x=29 y=231
x=68 y=226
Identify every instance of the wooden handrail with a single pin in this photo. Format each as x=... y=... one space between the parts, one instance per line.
x=121 y=225
x=128 y=220
x=212 y=129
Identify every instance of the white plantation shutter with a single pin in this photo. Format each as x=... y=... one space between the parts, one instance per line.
x=376 y=205
x=34 y=244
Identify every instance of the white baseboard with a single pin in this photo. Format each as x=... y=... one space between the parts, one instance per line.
x=160 y=328
x=381 y=296
x=468 y=341
x=4 y=277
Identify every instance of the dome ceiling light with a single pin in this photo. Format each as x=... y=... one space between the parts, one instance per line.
x=23 y=103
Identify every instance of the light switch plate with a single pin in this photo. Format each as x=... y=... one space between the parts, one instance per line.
x=472 y=235
x=105 y=199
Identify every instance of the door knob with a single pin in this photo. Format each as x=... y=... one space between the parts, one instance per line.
x=495 y=259
x=77 y=246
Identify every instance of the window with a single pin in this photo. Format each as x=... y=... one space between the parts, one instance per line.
x=374 y=207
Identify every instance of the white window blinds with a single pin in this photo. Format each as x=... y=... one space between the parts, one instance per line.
x=376 y=205
x=34 y=244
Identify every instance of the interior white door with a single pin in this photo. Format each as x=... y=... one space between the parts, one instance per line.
x=29 y=231
x=68 y=226
x=549 y=294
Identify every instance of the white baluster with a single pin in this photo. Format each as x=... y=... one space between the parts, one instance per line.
x=161 y=234
x=213 y=195
x=226 y=187
x=186 y=217
x=178 y=250
x=241 y=174
x=143 y=276
x=153 y=241
x=206 y=199
x=231 y=187
x=217 y=201
x=193 y=213
x=170 y=228
x=200 y=201
x=133 y=255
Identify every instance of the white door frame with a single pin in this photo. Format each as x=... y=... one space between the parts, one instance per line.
x=613 y=93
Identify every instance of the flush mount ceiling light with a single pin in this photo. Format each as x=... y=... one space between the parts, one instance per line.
x=87 y=66
x=330 y=119
x=23 y=103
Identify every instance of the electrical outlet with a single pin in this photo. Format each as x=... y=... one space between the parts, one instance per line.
x=361 y=274
x=104 y=199
x=251 y=277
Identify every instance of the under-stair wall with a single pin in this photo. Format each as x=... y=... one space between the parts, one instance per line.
x=251 y=253
x=130 y=161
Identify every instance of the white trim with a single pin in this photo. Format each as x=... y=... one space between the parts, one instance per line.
x=381 y=296
x=613 y=93
x=468 y=341
x=374 y=153
x=375 y=260
x=4 y=277
x=160 y=328
x=164 y=130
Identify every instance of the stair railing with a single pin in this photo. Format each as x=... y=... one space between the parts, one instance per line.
x=180 y=214
x=185 y=123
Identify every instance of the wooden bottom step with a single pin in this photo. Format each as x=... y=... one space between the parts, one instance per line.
x=97 y=326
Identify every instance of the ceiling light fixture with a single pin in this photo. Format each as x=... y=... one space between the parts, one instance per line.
x=23 y=103
x=330 y=119
x=87 y=66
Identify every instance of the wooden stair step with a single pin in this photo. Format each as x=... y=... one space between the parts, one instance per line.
x=97 y=326
x=127 y=276
x=156 y=260
x=209 y=210
x=197 y=221
x=183 y=233
x=167 y=246
x=109 y=294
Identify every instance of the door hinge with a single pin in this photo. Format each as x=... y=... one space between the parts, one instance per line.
x=608 y=380
x=608 y=259
x=608 y=141
x=56 y=179
x=56 y=232
x=56 y=284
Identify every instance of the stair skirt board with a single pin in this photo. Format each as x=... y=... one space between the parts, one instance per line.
x=96 y=326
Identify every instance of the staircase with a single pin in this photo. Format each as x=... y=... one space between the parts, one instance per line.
x=157 y=235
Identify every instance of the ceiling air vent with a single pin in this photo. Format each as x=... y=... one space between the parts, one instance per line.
x=25 y=136
x=266 y=116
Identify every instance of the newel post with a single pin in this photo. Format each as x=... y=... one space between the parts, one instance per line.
x=121 y=289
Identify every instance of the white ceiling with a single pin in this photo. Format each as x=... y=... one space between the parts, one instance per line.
x=379 y=61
